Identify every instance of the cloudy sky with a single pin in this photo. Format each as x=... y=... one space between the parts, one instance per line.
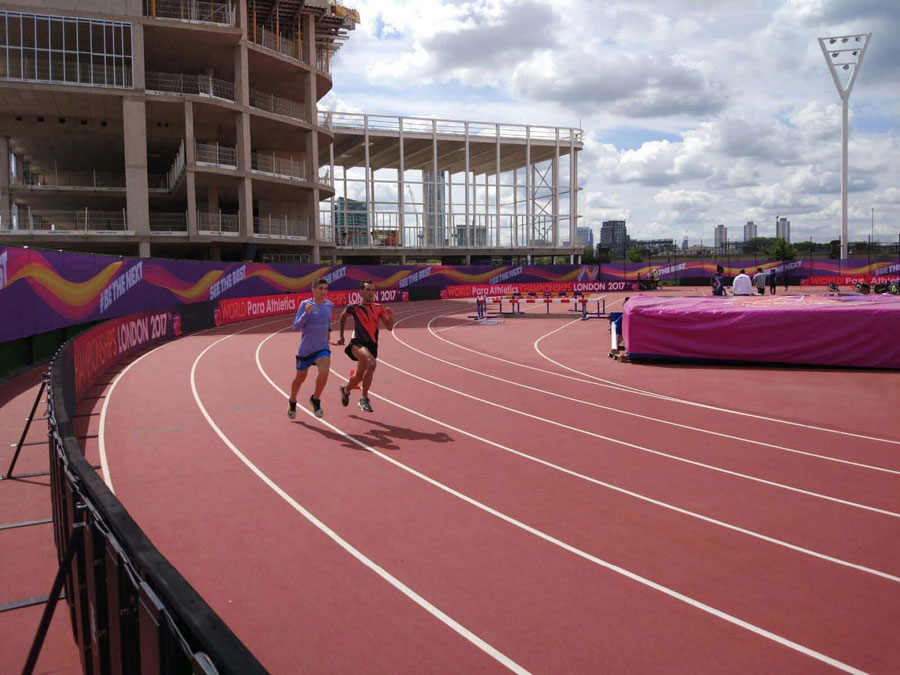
x=695 y=112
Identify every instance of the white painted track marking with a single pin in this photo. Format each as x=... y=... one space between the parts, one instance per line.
x=635 y=446
x=634 y=414
x=331 y=534
x=609 y=384
x=774 y=637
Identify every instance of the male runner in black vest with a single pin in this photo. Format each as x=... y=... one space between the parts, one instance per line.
x=363 y=345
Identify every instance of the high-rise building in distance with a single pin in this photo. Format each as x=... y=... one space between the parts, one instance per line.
x=614 y=236
x=750 y=231
x=721 y=236
x=584 y=236
x=351 y=222
x=783 y=228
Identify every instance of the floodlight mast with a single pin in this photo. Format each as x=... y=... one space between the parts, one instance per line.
x=845 y=57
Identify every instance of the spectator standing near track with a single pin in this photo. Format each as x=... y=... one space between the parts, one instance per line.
x=363 y=345
x=717 y=281
x=759 y=281
x=313 y=320
x=772 y=277
x=742 y=284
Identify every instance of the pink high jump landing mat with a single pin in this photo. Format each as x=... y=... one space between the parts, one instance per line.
x=842 y=330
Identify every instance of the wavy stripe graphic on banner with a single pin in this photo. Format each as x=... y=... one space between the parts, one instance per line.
x=72 y=299
x=190 y=292
x=385 y=282
x=282 y=282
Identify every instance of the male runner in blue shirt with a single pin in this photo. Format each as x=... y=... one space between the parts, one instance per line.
x=313 y=319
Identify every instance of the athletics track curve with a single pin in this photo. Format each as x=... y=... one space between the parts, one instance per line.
x=473 y=525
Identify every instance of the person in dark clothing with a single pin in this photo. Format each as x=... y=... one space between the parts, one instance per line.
x=718 y=281
x=363 y=346
x=772 y=278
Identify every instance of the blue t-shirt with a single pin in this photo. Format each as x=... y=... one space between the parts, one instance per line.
x=314 y=326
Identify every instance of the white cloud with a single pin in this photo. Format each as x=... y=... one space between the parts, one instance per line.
x=695 y=111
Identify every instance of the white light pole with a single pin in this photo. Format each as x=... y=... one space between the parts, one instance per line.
x=844 y=52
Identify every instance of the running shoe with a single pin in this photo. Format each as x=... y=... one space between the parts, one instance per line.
x=364 y=404
x=292 y=409
x=316 y=406
x=345 y=396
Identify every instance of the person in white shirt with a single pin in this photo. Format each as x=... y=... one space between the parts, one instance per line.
x=742 y=284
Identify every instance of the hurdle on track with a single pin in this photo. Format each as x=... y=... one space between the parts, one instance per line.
x=599 y=311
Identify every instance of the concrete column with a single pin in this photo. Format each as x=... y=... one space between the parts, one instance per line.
x=245 y=188
x=308 y=30
x=242 y=20
x=5 y=212
x=137 y=55
x=402 y=258
x=190 y=180
x=554 y=208
x=190 y=184
x=144 y=249
x=401 y=201
x=245 y=203
x=468 y=259
x=241 y=76
x=316 y=258
x=529 y=191
x=573 y=186
x=134 y=122
x=215 y=251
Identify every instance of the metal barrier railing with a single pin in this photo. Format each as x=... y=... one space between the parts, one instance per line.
x=218 y=223
x=275 y=104
x=117 y=75
x=268 y=226
x=191 y=10
x=57 y=179
x=218 y=155
x=280 y=167
x=168 y=222
x=441 y=127
x=185 y=83
x=131 y=610
x=286 y=46
x=82 y=220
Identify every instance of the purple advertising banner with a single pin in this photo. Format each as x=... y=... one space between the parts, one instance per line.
x=45 y=290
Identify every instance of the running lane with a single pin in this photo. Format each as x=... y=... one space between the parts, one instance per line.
x=296 y=599
x=756 y=580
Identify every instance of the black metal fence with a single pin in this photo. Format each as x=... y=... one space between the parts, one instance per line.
x=131 y=610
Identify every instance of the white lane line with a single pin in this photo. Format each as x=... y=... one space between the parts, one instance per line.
x=331 y=534
x=599 y=381
x=609 y=384
x=642 y=448
x=638 y=415
x=637 y=495
x=101 y=434
x=774 y=637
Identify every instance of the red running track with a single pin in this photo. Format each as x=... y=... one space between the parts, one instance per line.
x=500 y=510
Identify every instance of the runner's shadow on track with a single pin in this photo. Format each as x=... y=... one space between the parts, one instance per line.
x=387 y=431
x=380 y=439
